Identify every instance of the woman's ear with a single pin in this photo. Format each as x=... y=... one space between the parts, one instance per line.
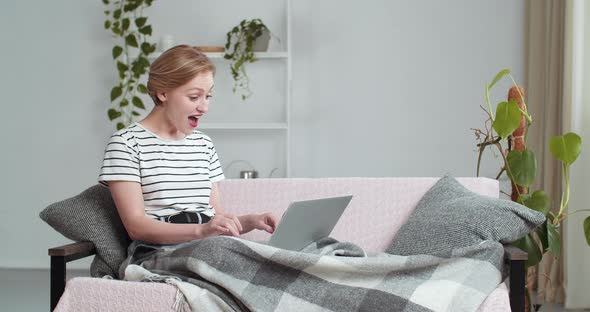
x=161 y=96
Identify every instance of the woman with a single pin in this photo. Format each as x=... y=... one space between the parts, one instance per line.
x=161 y=171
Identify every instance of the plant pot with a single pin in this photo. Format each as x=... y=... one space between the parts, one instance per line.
x=261 y=43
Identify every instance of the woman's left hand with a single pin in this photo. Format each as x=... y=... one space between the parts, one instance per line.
x=266 y=222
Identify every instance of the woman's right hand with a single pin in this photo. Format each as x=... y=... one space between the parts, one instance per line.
x=223 y=224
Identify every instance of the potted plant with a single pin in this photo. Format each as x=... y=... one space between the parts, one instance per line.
x=510 y=123
x=242 y=41
x=129 y=27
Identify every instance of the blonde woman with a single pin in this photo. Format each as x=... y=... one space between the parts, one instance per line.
x=162 y=172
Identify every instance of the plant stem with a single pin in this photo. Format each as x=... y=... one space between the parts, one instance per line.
x=565 y=215
x=500 y=173
x=564 y=203
x=488 y=101
x=526 y=111
x=481 y=148
x=484 y=144
x=507 y=167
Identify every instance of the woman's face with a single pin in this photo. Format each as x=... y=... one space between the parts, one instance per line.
x=185 y=105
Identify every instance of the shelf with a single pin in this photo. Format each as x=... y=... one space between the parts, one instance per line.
x=243 y=126
x=219 y=55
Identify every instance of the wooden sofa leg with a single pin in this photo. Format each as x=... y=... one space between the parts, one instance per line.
x=517 y=285
x=58 y=279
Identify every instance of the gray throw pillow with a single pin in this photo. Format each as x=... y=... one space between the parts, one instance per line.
x=450 y=216
x=92 y=216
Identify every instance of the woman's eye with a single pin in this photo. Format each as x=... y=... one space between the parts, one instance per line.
x=209 y=96
x=194 y=98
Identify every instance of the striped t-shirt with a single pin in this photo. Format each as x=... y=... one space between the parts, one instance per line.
x=175 y=175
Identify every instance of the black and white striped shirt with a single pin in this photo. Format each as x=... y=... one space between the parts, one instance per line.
x=175 y=175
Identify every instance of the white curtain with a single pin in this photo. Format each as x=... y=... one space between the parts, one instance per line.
x=577 y=119
x=545 y=81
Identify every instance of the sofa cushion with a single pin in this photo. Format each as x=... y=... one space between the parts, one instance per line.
x=92 y=216
x=450 y=216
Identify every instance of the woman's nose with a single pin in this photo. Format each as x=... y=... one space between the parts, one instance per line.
x=203 y=108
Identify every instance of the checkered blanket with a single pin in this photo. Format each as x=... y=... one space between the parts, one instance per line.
x=327 y=275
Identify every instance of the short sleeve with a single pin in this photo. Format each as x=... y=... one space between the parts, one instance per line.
x=121 y=161
x=215 y=170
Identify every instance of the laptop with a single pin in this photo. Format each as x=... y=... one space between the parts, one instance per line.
x=307 y=221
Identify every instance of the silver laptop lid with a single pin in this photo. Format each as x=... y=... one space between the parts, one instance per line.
x=307 y=221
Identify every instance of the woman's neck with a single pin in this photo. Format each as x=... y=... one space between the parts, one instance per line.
x=157 y=122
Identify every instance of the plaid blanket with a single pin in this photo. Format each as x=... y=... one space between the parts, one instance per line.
x=327 y=275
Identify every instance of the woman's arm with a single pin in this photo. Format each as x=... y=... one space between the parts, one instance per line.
x=129 y=201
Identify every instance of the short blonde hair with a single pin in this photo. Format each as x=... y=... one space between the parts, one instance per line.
x=174 y=68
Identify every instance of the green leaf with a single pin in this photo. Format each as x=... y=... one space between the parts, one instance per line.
x=140 y=21
x=538 y=201
x=117 y=14
x=566 y=147
x=499 y=76
x=122 y=67
x=116 y=92
x=117 y=50
x=134 y=113
x=554 y=239
x=523 y=166
x=125 y=24
x=146 y=30
x=542 y=234
x=137 y=102
x=105 y=2
x=120 y=126
x=142 y=88
x=587 y=230
x=146 y=48
x=114 y=114
x=507 y=118
x=124 y=103
x=529 y=245
x=143 y=61
x=107 y=24
x=131 y=40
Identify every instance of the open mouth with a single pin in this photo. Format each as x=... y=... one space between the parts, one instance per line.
x=193 y=121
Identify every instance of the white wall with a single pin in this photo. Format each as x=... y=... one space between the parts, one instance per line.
x=380 y=88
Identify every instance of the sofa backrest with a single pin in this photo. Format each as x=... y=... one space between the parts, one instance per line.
x=378 y=208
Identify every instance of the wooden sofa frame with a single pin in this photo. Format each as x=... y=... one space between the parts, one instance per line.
x=61 y=255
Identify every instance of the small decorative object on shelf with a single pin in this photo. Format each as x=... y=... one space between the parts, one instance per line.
x=129 y=27
x=248 y=174
x=211 y=49
x=166 y=42
x=242 y=41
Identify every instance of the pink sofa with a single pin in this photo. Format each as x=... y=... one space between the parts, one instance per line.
x=378 y=209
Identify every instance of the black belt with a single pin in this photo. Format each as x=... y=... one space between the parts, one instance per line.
x=186 y=217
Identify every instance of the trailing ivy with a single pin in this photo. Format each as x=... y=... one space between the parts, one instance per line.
x=238 y=47
x=131 y=31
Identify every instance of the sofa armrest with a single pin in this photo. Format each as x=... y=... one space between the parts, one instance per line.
x=59 y=257
x=74 y=251
x=516 y=258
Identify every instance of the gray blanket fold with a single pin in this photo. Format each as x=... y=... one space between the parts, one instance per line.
x=327 y=275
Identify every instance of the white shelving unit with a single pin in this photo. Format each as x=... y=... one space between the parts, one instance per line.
x=283 y=127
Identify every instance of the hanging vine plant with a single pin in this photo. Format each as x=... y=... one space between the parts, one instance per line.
x=129 y=27
x=239 y=47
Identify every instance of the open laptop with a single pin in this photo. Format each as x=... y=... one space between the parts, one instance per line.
x=307 y=221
